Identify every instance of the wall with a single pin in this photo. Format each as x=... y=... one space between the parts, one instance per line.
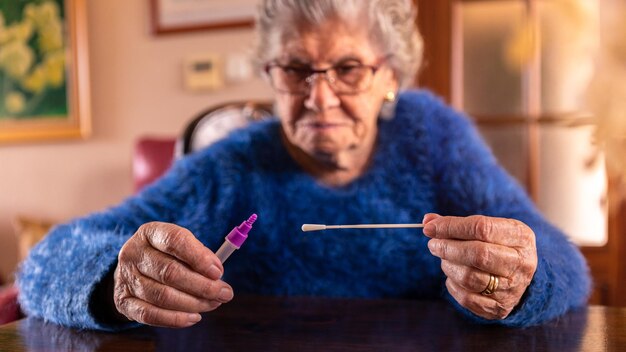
x=137 y=89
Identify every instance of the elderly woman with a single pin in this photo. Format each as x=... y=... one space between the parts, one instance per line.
x=346 y=148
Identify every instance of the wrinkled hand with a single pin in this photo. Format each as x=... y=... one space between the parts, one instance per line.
x=472 y=248
x=166 y=277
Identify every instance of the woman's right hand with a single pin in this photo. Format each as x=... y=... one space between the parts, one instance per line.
x=166 y=277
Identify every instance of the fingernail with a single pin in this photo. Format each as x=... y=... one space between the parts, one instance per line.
x=193 y=318
x=432 y=247
x=430 y=230
x=226 y=294
x=428 y=217
x=214 y=272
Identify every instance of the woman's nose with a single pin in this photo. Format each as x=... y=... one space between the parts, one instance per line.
x=321 y=95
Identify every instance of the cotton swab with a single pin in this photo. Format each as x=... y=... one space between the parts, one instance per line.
x=319 y=227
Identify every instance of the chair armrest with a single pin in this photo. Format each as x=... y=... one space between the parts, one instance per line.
x=152 y=156
x=9 y=307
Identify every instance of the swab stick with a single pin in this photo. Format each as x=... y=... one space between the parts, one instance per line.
x=319 y=227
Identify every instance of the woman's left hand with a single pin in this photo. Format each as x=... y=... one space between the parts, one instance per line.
x=474 y=248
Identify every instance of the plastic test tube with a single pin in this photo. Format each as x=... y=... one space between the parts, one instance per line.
x=235 y=239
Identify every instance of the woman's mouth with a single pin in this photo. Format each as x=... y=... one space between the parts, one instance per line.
x=322 y=126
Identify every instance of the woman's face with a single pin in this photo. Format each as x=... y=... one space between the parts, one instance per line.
x=321 y=122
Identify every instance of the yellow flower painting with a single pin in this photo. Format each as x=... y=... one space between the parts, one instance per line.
x=32 y=60
x=44 y=70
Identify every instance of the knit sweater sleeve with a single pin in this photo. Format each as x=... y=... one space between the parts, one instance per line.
x=470 y=182
x=59 y=277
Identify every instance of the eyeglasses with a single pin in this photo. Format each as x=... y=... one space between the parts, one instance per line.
x=346 y=78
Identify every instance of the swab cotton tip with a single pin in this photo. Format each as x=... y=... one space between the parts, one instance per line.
x=313 y=227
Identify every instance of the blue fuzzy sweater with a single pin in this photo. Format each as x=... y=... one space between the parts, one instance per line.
x=429 y=158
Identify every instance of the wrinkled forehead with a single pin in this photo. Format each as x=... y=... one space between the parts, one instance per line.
x=328 y=42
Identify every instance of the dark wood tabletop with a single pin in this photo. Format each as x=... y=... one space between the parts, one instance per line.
x=323 y=324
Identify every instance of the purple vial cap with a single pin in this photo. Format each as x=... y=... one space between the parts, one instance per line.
x=239 y=234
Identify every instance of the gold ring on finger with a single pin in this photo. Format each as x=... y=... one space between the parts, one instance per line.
x=492 y=286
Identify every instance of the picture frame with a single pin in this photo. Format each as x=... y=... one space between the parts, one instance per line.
x=177 y=16
x=47 y=95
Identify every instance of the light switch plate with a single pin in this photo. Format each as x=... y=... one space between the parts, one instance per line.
x=203 y=72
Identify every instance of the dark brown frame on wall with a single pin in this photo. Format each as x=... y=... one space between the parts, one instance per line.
x=158 y=28
x=436 y=20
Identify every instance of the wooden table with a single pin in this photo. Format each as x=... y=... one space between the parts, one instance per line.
x=319 y=324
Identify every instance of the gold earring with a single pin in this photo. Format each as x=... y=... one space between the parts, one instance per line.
x=390 y=96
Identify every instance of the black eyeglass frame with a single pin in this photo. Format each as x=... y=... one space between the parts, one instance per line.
x=315 y=72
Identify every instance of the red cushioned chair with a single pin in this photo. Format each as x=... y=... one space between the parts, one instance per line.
x=9 y=308
x=151 y=157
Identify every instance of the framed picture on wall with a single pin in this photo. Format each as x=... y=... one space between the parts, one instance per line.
x=44 y=73
x=175 y=16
